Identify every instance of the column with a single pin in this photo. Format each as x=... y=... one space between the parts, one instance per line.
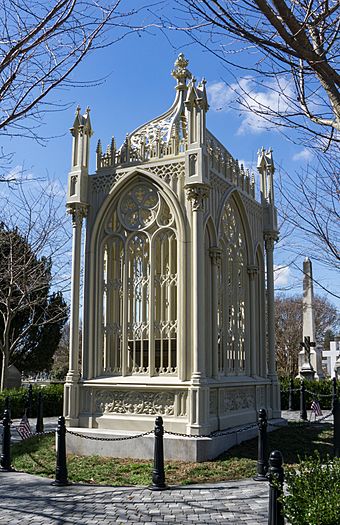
x=275 y=410
x=71 y=388
x=253 y=346
x=199 y=394
x=215 y=255
x=269 y=244
x=196 y=195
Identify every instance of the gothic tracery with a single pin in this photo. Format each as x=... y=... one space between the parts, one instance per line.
x=140 y=278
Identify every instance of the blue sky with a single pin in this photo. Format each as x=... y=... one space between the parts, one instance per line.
x=136 y=86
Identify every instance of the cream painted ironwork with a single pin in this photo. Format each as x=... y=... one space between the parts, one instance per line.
x=140 y=293
x=178 y=313
x=232 y=296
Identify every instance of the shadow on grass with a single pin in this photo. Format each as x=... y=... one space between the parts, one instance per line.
x=37 y=456
x=294 y=440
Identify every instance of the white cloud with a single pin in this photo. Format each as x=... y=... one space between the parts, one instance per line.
x=55 y=187
x=220 y=96
x=248 y=165
x=255 y=99
x=304 y=155
x=282 y=275
x=17 y=174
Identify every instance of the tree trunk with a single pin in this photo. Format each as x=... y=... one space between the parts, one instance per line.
x=4 y=370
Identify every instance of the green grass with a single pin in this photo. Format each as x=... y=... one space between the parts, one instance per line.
x=37 y=456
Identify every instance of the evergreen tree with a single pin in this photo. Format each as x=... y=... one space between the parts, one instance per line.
x=31 y=317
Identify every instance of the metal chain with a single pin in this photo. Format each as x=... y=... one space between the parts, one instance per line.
x=212 y=434
x=305 y=422
x=318 y=395
x=94 y=438
x=323 y=418
x=216 y=433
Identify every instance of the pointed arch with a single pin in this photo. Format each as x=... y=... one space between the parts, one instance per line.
x=233 y=288
x=210 y=244
x=233 y=195
x=134 y=295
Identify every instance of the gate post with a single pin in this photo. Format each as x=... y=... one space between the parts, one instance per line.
x=303 y=411
x=158 y=474
x=5 y=459
x=262 y=463
x=290 y=395
x=336 y=424
x=40 y=419
x=276 y=477
x=61 y=467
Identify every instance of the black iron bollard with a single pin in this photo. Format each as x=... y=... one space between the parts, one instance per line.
x=276 y=476
x=290 y=395
x=262 y=463
x=158 y=474
x=61 y=467
x=8 y=405
x=39 y=428
x=5 y=460
x=336 y=437
x=334 y=392
x=303 y=411
x=29 y=399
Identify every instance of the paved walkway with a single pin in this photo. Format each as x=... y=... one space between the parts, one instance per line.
x=28 y=500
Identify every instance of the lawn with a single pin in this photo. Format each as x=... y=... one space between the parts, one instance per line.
x=37 y=456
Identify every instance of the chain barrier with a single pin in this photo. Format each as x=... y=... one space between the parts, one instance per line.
x=318 y=395
x=316 y=421
x=217 y=433
x=322 y=418
x=49 y=432
x=94 y=438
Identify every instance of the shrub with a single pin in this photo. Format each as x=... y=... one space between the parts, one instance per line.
x=52 y=400
x=313 y=492
x=321 y=390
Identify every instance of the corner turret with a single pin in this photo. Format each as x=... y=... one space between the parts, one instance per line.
x=81 y=132
x=265 y=167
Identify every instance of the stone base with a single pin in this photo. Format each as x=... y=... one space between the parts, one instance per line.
x=175 y=447
x=307 y=374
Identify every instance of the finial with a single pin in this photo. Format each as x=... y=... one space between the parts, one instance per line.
x=181 y=73
x=78 y=110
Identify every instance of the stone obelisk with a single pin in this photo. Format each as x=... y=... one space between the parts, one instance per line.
x=312 y=362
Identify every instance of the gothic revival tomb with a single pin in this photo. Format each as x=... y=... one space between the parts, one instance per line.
x=178 y=309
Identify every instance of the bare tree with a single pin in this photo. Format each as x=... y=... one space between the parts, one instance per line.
x=288 y=328
x=291 y=48
x=309 y=202
x=42 y=42
x=61 y=356
x=282 y=56
x=31 y=236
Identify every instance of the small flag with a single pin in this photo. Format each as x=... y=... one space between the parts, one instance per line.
x=24 y=428
x=315 y=407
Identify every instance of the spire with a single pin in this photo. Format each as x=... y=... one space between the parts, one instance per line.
x=82 y=123
x=265 y=166
x=181 y=73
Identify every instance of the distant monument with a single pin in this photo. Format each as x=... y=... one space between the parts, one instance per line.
x=331 y=357
x=13 y=377
x=310 y=357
